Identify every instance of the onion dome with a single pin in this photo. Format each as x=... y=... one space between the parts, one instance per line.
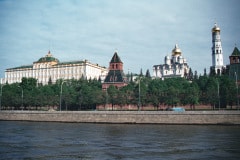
x=215 y=28
x=48 y=58
x=176 y=50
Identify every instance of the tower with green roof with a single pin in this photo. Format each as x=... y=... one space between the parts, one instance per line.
x=234 y=66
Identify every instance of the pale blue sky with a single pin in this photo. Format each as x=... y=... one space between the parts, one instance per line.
x=143 y=31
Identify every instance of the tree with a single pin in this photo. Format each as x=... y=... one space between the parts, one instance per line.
x=202 y=85
x=49 y=95
x=195 y=75
x=86 y=94
x=157 y=90
x=69 y=94
x=148 y=74
x=172 y=96
x=11 y=96
x=131 y=79
x=227 y=91
x=50 y=81
x=112 y=92
x=141 y=91
x=211 y=91
x=28 y=83
x=190 y=75
x=128 y=93
x=212 y=72
x=141 y=73
x=205 y=72
x=192 y=95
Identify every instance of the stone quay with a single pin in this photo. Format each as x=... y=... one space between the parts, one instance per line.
x=131 y=117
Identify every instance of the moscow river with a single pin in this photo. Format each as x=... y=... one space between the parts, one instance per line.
x=46 y=140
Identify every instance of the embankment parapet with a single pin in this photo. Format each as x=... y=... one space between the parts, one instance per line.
x=148 y=117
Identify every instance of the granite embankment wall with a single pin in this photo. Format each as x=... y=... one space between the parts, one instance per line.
x=150 y=117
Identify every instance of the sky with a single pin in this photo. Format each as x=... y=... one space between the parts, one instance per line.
x=143 y=32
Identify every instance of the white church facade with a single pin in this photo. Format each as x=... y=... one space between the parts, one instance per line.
x=174 y=66
x=50 y=68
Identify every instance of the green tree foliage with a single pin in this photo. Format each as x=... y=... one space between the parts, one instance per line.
x=148 y=74
x=157 y=90
x=112 y=92
x=128 y=94
x=85 y=94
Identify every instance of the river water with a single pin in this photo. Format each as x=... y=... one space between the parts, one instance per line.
x=58 y=141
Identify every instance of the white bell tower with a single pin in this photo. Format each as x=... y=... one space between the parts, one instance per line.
x=217 y=53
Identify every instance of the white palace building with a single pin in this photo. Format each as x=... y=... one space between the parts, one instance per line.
x=175 y=66
x=49 y=68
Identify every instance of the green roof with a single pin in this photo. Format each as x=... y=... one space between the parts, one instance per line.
x=235 y=52
x=47 y=59
x=21 y=67
x=116 y=58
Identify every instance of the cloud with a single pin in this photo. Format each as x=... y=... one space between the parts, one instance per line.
x=142 y=31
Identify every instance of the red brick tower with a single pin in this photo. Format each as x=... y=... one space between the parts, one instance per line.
x=115 y=75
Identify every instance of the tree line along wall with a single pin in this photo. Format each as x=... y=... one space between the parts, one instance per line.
x=88 y=94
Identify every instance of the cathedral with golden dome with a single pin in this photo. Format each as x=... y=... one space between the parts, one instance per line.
x=174 y=66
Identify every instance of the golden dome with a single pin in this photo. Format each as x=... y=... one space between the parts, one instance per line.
x=176 y=50
x=215 y=28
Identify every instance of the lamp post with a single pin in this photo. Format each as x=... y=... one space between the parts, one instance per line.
x=61 y=96
x=237 y=90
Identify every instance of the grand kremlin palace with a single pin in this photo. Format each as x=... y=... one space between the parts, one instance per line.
x=49 y=68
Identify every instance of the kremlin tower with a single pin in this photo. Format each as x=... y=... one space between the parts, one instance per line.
x=115 y=75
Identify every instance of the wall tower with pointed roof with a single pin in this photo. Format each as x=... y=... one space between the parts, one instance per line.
x=233 y=68
x=115 y=74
